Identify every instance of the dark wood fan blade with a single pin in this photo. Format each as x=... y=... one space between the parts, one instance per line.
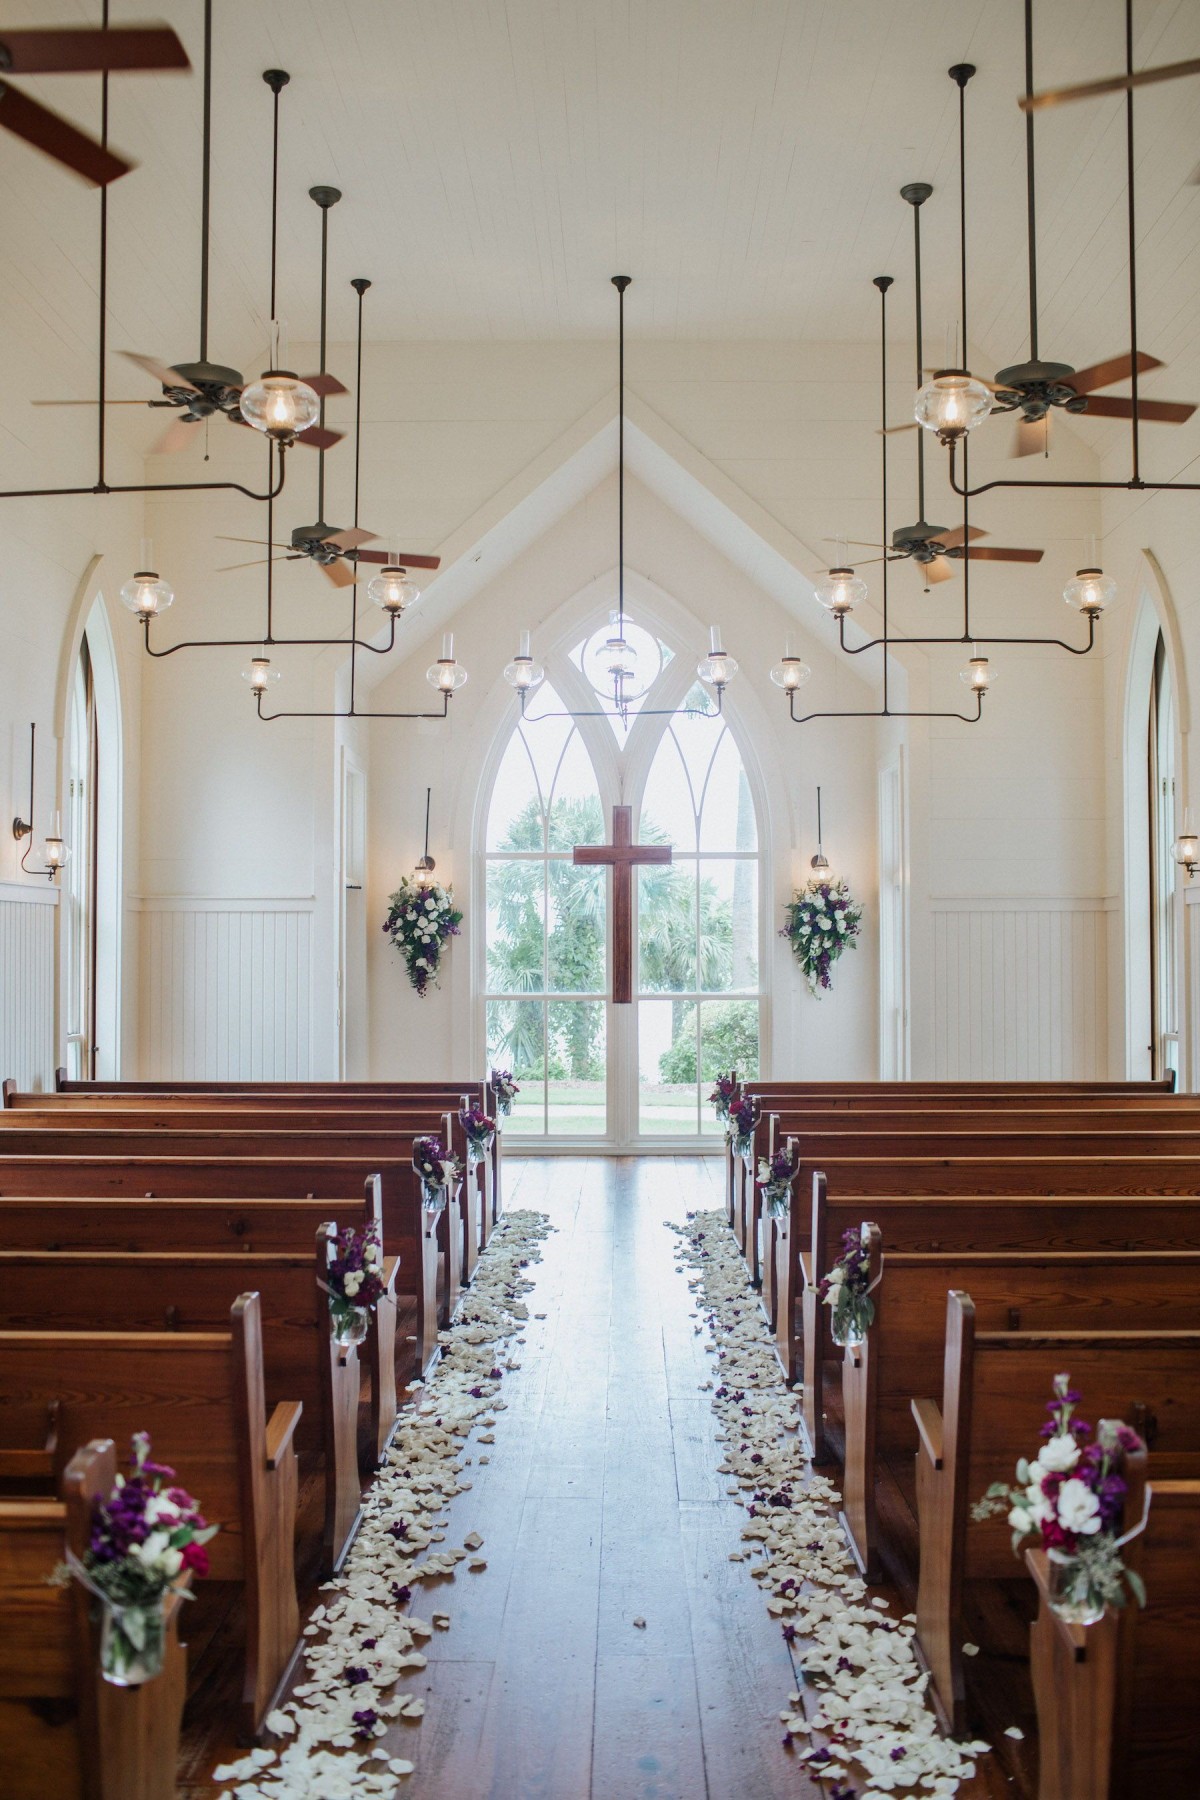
x=1032 y=437
x=400 y=559
x=1111 y=84
x=994 y=553
x=1155 y=412
x=351 y=538
x=82 y=50
x=341 y=574
x=58 y=138
x=177 y=436
x=324 y=385
x=951 y=540
x=1117 y=368
x=940 y=569
x=163 y=373
x=318 y=438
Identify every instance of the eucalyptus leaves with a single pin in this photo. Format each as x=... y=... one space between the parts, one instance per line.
x=821 y=920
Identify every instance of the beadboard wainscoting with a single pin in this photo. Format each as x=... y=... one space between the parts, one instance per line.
x=225 y=989
x=1020 y=989
x=28 y=916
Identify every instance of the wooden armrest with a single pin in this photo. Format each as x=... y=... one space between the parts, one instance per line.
x=281 y=1428
x=928 y=1415
x=389 y=1274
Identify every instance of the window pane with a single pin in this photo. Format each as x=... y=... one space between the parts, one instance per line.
x=577 y=929
x=667 y=927
x=728 y=1040
x=728 y=942
x=515 y=927
x=546 y=738
x=698 y=739
x=668 y=808
x=577 y=1084
x=727 y=817
x=515 y=816
x=515 y=1041
x=667 y=1068
x=576 y=815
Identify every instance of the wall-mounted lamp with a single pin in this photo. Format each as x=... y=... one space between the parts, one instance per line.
x=820 y=862
x=425 y=865
x=1187 y=846
x=54 y=849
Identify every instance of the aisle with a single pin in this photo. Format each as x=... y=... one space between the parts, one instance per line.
x=601 y=1504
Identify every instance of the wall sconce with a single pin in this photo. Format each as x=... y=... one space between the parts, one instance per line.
x=820 y=862
x=1187 y=846
x=54 y=848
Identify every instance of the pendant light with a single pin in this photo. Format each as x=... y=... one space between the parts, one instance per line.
x=147 y=594
x=819 y=864
x=54 y=848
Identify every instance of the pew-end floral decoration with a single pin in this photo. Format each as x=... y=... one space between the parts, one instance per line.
x=505 y=1089
x=822 y=919
x=721 y=1097
x=421 y=919
x=354 y=1282
x=146 y=1536
x=479 y=1131
x=1070 y=1498
x=439 y=1172
x=740 y=1123
x=775 y=1177
x=846 y=1290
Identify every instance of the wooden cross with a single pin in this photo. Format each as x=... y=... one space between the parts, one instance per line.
x=621 y=855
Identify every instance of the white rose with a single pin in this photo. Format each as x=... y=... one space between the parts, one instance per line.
x=159 y=1508
x=1021 y=1521
x=151 y=1549
x=431 y=905
x=1038 y=1507
x=1057 y=1455
x=422 y=962
x=352 y=1283
x=1078 y=1507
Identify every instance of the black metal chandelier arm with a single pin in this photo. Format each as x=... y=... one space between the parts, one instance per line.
x=351 y=713
x=643 y=712
x=150 y=487
x=969 y=637
x=276 y=643
x=1134 y=485
x=886 y=712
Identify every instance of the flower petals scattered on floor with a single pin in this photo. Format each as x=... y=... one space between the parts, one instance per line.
x=857 y=1665
x=334 y=1725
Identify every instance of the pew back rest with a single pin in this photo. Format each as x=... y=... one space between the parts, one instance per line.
x=1157 y=1722
x=67 y=1215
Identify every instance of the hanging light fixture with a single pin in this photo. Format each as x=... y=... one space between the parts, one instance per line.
x=819 y=864
x=393 y=589
x=279 y=403
x=791 y=671
x=978 y=675
x=718 y=668
x=1090 y=590
x=1187 y=846
x=146 y=594
x=425 y=864
x=523 y=673
x=54 y=849
x=259 y=673
x=447 y=674
x=841 y=590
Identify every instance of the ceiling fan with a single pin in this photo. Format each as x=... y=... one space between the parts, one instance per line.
x=1034 y=387
x=201 y=390
x=336 y=550
x=78 y=50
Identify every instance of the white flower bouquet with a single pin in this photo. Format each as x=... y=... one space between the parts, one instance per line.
x=421 y=917
x=822 y=919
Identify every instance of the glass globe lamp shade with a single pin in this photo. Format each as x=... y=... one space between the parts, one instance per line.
x=523 y=673
x=393 y=589
x=819 y=864
x=841 y=591
x=56 y=852
x=951 y=404
x=1089 y=591
x=790 y=672
x=446 y=675
x=260 y=675
x=620 y=657
x=1187 y=852
x=146 y=595
x=978 y=675
x=717 y=670
x=280 y=404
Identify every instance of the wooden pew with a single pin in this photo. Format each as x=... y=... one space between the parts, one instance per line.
x=994 y=1390
x=136 y=1165
x=111 y=1290
x=200 y=1396
x=1027 y=1291
x=65 y=1732
x=1116 y=1702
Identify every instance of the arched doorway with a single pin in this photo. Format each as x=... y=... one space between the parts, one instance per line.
x=589 y=1071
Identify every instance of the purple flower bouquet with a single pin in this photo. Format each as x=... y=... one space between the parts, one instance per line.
x=354 y=1282
x=439 y=1172
x=480 y=1130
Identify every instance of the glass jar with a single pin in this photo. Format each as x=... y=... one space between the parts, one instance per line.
x=350 y=1322
x=433 y=1197
x=849 y=1321
x=132 y=1642
x=1070 y=1590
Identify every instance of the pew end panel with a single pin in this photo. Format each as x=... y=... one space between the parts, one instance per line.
x=860 y=1406
x=943 y=1499
x=341 y=1385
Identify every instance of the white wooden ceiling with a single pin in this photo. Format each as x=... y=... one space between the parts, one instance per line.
x=501 y=158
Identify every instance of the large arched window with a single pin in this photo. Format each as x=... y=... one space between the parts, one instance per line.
x=588 y=1069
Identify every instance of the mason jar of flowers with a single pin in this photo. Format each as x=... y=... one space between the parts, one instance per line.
x=1071 y=1497
x=846 y=1291
x=479 y=1131
x=354 y=1283
x=775 y=1178
x=722 y=1096
x=740 y=1123
x=439 y=1172
x=505 y=1089
x=144 y=1537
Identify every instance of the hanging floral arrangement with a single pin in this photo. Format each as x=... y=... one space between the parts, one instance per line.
x=821 y=920
x=421 y=917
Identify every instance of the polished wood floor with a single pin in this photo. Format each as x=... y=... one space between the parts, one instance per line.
x=600 y=1504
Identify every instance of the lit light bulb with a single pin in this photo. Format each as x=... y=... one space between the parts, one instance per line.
x=841 y=591
x=819 y=864
x=717 y=669
x=56 y=852
x=791 y=671
x=951 y=404
x=1089 y=591
x=393 y=589
x=146 y=595
x=446 y=675
x=260 y=674
x=280 y=404
x=1187 y=846
x=978 y=674
x=522 y=672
